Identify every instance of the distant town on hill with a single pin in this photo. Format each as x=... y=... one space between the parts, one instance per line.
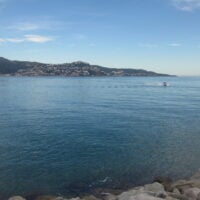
x=74 y=69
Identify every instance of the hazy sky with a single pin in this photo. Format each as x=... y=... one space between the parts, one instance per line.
x=159 y=35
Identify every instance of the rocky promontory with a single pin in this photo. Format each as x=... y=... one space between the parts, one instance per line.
x=74 y=69
x=160 y=189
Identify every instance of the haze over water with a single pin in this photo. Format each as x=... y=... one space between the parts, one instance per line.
x=70 y=135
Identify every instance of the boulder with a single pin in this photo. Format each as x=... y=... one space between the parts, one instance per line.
x=76 y=198
x=16 y=198
x=144 y=196
x=196 y=176
x=170 y=198
x=192 y=193
x=153 y=191
x=156 y=189
x=183 y=185
x=108 y=196
x=198 y=197
x=176 y=191
x=165 y=181
x=49 y=197
x=90 y=197
x=129 y=194
x=178 y=196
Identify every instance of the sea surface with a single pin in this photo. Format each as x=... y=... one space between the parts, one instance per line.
x=71 y=135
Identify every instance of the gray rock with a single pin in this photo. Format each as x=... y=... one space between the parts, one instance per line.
x=198 y=197
x=156 y=189
x=178 y=196
x=183 y=185
x=176 y=191
x=76 y=198
x=90 y=197
x=170 y=198
x=196 y=176
x=166 y=182
x=46 y=197
x=129 y=194
x=192 y=193
x=143 y=196
x=108 y=196
x=16 y=198
x=60 y=198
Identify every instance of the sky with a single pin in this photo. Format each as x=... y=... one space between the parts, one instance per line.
x=157 y=35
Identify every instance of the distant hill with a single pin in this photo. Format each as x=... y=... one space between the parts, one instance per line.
x=24 y=68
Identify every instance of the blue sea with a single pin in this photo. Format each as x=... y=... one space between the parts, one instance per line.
x=67 y=136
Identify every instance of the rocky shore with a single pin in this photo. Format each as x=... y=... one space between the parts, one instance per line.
x=162 y=188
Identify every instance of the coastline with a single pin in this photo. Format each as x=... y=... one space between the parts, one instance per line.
x=160 y=188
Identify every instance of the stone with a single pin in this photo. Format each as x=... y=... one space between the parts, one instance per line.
x=178 y=196
x=198 y=197
x=90 y=197
x=16 y=198
x=196 y=176
x=183 y=185
x=156 y=189
x=170 y=198
x=176 y=191
x=166 y=182
x=76 y=198
x=60 y=198
x=108 y=196
x=144 y=196
x=180 y=185
x=47 y=197
x=128 y=194
x=192 y=193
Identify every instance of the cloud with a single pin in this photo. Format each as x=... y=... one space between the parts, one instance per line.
x=174 y=45
x=37 y=38
x=27 y=38
x=40 y=23
x=186 y=5
x=2 y=40
x=24 y=27
x=14 y=40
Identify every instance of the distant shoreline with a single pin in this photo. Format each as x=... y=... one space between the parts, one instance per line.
x=74 y=69
x=62 y=76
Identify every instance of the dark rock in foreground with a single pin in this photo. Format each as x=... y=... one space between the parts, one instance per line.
x=23 y=68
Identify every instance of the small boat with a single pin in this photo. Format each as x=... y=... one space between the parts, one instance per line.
x=165 y=84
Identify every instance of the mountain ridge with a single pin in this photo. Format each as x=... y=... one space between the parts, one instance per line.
x=77 y=68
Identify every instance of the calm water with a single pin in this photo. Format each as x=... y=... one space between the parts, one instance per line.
x=69 y=135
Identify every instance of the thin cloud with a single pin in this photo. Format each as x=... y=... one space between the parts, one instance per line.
x=14 y=40
x=174 y=45
x=39 y=24
x=2 y=40
x=24 y=27
x=37 y=38
x=27 y=38
x=186 y=5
